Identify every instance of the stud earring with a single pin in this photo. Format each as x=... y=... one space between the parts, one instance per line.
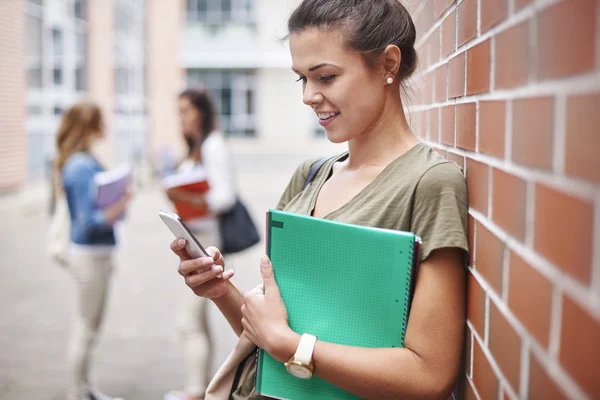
x=389 y=80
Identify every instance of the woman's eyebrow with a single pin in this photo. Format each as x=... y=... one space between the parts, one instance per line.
x=316 y=67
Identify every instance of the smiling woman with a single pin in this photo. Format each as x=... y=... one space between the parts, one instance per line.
x=352 y=58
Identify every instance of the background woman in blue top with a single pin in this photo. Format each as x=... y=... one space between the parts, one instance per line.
x=92 y=239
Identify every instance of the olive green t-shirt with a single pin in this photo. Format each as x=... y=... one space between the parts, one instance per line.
x=419 y=192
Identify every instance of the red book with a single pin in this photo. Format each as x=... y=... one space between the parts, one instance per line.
x=194 y=181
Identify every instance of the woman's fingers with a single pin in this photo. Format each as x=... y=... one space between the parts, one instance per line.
x=216 y=255
x=195 y=265
x=202 y=277
x=178 y=247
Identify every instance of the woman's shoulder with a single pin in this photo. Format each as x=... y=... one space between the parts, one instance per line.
x=438 y=175
x=215 y=139
x=79 y=161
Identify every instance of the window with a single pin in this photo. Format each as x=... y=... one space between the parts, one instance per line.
x=80 y=9
x=217 y=12
x=57 y=76
x=81 y=44
x=233 y=95
x=35 y=40
x=57 y=43
x=129 y=73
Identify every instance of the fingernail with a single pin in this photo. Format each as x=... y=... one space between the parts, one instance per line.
x=181 y=242
x=264 y=262
x=228 y=273
x=217 y=269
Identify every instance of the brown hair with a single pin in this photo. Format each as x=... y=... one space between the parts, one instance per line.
x=78 y=127
x=200 y=99
x=371 y=25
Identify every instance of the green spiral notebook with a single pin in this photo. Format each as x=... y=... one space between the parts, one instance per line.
x=345 y=284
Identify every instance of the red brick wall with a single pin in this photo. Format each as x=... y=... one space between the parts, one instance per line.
x=13 y=158
x=510 y=90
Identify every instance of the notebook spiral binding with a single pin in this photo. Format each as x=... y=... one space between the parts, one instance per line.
x=410 y=283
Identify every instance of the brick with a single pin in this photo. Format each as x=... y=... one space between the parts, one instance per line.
x=447 y=125
x=521 y=3
x=514 y=41
x=493 y=12
x=477 y=185
x=456 y=76
x=428 y=95
x=424 y=21
x=509 y=196
x=534 y=311
x=465 y=126
x=583 y=140
x=490 y=254
x=426 y=89
x=484 y=378
x=458 y=159
x=441 y=83
x=533 y=132
x=434 y=47
x=467 y=21
x=563 y=231
x=566 y=39
x=505 y=346
x=541 y=385
x=440 y=6
x=579 y=349
x=492 y=128
x=434 y=125
x=476 y=305
x=478 y=68
x=471 y=239
x=449 y=34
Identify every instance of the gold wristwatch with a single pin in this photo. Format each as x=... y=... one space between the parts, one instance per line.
x=301 y=365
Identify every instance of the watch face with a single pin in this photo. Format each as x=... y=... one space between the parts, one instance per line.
x=299 y=371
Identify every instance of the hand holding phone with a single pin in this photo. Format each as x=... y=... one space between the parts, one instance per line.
x=181 y=230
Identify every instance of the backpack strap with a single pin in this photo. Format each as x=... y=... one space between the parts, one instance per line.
x=314 y=169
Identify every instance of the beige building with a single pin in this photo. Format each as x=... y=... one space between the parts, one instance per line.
x=133 y=57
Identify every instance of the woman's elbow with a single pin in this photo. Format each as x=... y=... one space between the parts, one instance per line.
x=440 y=385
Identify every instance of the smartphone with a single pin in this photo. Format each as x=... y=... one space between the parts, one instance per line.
x=181 y=230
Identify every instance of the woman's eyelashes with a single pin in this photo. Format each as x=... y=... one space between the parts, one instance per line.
x=325 y=79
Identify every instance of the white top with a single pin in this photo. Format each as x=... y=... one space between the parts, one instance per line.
x=221 y=196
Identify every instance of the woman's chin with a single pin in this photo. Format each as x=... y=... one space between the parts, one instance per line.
x=335 y=137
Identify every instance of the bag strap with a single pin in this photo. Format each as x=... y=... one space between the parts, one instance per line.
x=314 y=169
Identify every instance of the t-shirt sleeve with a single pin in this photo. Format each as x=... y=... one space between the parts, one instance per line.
x=440 y=209
x=296 y=184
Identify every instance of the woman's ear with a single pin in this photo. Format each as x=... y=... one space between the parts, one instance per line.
x=392 y=57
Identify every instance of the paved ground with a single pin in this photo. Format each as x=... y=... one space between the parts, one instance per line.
x=139 y=356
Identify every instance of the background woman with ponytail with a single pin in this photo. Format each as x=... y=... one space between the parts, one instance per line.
x=92 y=240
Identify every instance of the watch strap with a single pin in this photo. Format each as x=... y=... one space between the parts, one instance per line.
x=305 y=349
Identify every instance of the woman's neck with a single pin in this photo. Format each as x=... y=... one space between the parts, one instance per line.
x=387 y=140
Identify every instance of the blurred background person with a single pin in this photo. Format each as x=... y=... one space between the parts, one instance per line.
x=207 y=149
x=92 y=240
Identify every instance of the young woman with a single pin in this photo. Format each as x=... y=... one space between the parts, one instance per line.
x=206 y=149
x=352 y=57
x=92 y=239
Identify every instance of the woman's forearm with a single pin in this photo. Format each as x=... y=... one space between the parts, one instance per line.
x=230 y=306
x=382 y=373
